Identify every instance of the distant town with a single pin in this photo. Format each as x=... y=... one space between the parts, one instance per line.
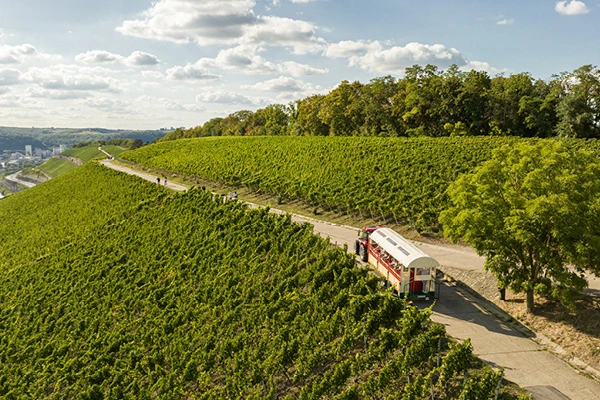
x=12 y=164
x=30 y=156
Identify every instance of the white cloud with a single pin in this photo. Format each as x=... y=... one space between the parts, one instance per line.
x=152 y=74
x=40 y=93
x=97 y=57
x=140 y=58
x=20 y=53
x=374 y=58
x=295 y=69
x=4 y=90
x=241 y=58
x=349 y=48
x=300 y=36
x=572 y=7
x=506 y=21
x=137 y=58
x=9 y=77
x=204 y=22
x=481 y=66
x=109 y=104
x=190 y=72
x=170 y=105
x=72 y=77
x=221 y=22
x=285 y=84
x=244 y=59
x=226 y=97
x=9 y=102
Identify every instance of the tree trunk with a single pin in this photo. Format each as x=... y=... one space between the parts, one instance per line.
x=530 y=301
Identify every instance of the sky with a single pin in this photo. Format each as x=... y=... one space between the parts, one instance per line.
x=142 y=64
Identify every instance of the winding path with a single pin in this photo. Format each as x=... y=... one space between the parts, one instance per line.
x=496 y=341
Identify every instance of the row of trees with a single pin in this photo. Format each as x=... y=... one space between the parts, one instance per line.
x=431 y=102
x=126 y=143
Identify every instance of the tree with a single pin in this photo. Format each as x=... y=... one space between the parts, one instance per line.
x=473 y=102
x=336 y=109
x=579 y=109
x=504 y=96
x=533 y=210
x=308 y=120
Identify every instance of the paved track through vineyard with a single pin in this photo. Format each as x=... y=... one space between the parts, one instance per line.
x=497 y=342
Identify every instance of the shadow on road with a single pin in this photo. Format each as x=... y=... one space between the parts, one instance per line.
x=460 y=302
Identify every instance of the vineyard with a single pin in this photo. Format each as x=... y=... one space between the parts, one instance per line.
x=59 y=212
x=57 y=166
x=182 y=296
x=394 y=179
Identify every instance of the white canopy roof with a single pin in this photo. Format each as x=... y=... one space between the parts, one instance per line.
x=402 y=250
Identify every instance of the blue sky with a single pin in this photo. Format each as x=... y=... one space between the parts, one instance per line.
x=145 y=64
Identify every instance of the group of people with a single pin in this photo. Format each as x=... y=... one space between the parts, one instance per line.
x=232 y=196
x=385 y=257
x=164 y=179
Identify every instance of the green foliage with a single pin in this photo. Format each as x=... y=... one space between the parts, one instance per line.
x=430 y=102
x=187 y=297
x=533 y=211
x=397 y=179
x=65 y=209
x=84 y=153
x=579 y=108
x=113 y=150
x=57 y=166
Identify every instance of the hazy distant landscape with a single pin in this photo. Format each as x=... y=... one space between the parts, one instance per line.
x=15 y=139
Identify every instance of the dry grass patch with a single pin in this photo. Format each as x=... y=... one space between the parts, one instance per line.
x=577 y=333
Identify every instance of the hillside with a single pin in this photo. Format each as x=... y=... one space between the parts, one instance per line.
x=58 y=166
x=139 y=295
x=395 y=180
x=15 y=139
x=65 y=209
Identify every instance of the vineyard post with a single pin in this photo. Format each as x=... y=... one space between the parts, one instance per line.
x=439 y=356
x=499 y=383
x=432 y=393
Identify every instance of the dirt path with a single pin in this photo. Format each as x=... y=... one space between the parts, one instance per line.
x=149 y=177
x=106 y=153
x=495 y=338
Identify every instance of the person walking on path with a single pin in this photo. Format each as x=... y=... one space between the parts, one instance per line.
x=158 y=180
x=165 y=178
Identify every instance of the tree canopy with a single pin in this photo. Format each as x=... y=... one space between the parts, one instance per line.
x=533 y=210
x=431 y=102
